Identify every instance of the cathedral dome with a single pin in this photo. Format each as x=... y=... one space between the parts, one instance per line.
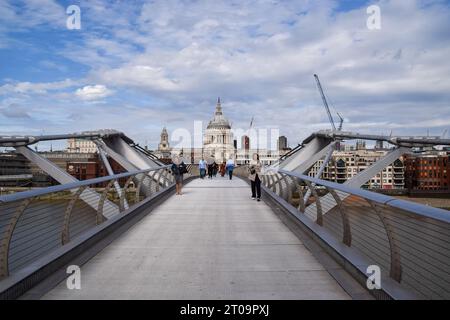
x=219 y=121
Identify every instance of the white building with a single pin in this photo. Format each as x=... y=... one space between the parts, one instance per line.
x=218 y=144
x=346 y=164
x=218 y=138
x=76 y=145
x=267 y=157
x=164 y=150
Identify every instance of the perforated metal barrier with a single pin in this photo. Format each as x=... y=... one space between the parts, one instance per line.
x=36 y=222
x=410 y=242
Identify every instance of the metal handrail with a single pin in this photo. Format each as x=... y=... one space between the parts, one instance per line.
x=407 y=240
x=71 y=214
x=415 y=208
x=73 y=185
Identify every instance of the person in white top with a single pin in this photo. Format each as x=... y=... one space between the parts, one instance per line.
x=230 y=167
x=202 y=166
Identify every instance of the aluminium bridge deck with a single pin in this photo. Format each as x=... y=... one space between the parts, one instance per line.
x=213 y=242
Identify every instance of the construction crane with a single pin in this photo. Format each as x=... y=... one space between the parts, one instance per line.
x=325 y=103
x=341 y=121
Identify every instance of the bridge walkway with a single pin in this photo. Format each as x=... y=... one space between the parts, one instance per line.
x=213 y=242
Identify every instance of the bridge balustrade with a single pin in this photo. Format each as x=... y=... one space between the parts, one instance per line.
x=36 y=222
x=410 y=242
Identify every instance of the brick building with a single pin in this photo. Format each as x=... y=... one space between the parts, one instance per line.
x=430 y=172
x=92 y=168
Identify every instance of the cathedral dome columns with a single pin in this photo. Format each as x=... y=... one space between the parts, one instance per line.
x=218 y=138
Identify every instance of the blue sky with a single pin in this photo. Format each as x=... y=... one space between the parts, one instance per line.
x=139 y=65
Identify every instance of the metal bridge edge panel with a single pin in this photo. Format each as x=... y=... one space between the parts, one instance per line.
x=53 y=265
x=348 y=258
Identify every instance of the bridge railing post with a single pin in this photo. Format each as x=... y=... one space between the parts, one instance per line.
x=301 y=205
x=395 y=271
x=123 y=195
x=8 y=234
x=346 y=229
x=65 y=232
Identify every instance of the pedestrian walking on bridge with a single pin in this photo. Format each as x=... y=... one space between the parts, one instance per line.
x=254 y=171
x=230 y=167
x=178 y=169
x=202 y=166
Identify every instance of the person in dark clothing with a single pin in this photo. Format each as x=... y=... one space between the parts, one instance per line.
x=215 y=168
x=254 y=172
x=210 y=170
x=178 y=169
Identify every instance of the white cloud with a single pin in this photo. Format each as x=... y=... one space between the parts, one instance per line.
x=25 y=15
x=34 y=87
x=15 y=111
x=95 y=92
x=259 y=56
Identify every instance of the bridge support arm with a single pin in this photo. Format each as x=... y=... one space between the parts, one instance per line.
x=110 y=172
x=89 y=196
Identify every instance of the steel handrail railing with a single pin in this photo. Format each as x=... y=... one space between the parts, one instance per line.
x=416 y=208
x=35 y=222
x=73 y=185
x=409 y=241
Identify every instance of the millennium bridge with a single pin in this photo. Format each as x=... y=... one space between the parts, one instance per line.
x=131 y=237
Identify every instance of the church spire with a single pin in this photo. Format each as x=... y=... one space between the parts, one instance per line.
x=218 y=107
